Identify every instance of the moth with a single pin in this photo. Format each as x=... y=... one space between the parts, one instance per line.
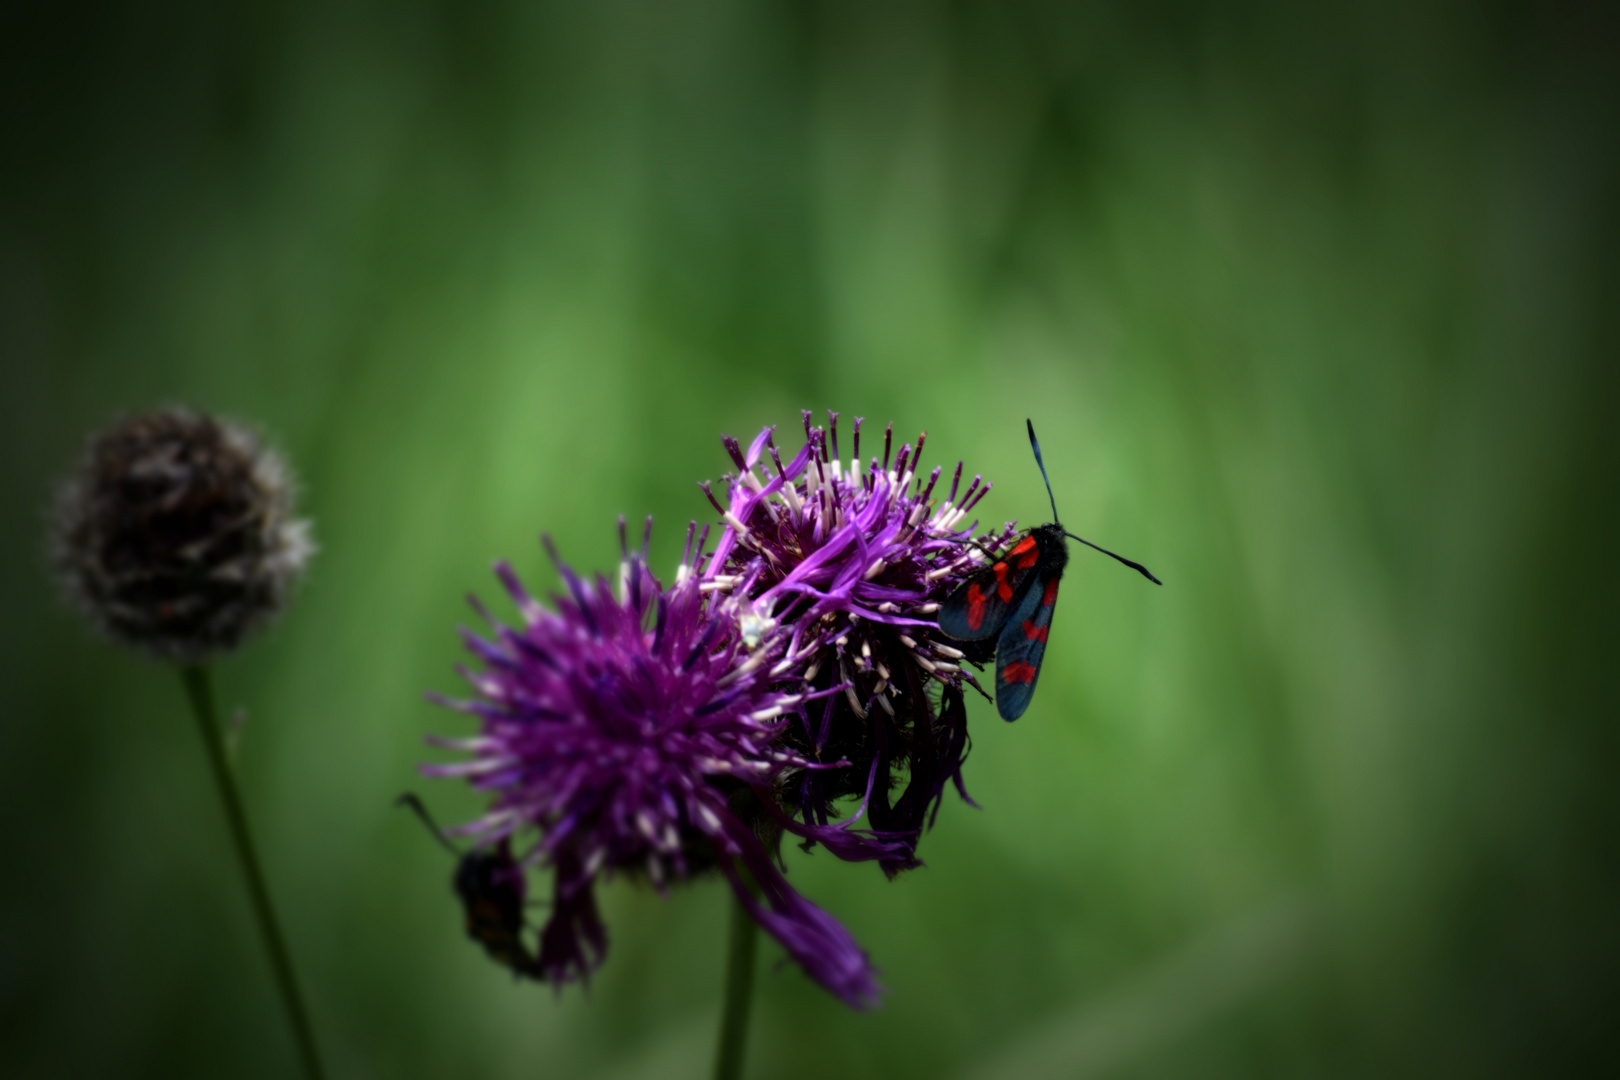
x=492 y=890
x=1012 y=601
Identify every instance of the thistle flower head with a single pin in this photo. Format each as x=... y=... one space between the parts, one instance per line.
x=176 y=534
x=632 y=730
x=853 y=563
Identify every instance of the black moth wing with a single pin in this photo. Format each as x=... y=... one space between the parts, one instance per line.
x=982 y=604
x=1022 y=647
x=1012 y=601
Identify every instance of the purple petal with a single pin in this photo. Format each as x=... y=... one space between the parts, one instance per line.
x=820 y=944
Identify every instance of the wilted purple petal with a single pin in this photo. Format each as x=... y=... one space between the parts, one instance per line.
x=815 y=939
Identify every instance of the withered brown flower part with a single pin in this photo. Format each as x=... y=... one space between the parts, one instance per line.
x=176 y=534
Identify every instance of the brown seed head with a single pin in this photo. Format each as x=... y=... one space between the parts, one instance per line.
x=176 y=534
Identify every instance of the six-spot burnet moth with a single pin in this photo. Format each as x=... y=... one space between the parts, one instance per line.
x=492 y=889
x=1014 y=598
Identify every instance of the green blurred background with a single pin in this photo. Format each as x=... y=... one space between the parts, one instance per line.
x=1314 y=307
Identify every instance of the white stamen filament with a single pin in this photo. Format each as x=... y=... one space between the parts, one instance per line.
x=747 y=667
x=475 y=768
x=474 y=745
x=849 y=691
x=854 y=703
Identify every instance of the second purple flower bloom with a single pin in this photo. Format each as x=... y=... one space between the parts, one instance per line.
x=853 y=563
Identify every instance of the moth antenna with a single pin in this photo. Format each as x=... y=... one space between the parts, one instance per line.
x=1134 y=565
x=1035 y=446
x=409 y=799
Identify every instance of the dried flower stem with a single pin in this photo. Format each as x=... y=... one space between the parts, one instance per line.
x=728 y=1057
x=199 y=689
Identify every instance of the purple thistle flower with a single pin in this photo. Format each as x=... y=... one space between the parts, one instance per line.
x=854 y=563
x=638 y=733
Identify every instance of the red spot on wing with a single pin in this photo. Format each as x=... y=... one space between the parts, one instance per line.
x=1035 y=633
x=1004 y=589
x=1018 y=672
x=1026 y=553
x=1050 y=596
x=975 y=606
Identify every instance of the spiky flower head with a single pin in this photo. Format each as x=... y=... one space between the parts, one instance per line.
x=853 y=563
x=176 y=535
x=636 y=733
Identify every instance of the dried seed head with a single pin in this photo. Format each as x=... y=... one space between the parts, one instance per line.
x=176 y=534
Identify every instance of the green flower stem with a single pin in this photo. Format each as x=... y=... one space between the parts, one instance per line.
x=744 y=934
x=199 y=689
